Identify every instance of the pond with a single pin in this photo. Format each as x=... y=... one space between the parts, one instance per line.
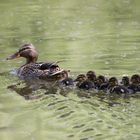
x=103 y=36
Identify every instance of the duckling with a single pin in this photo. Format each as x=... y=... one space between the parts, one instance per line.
x=125 y=81
x=32 y=68
x=135 y=83
x=84 y=83
x=114 y=87
x=91 y=75
x=101 y=82
x=66 y=81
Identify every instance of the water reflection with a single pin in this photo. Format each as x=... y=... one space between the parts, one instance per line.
x=38 y=89
x=32 y=91
x=89 y=35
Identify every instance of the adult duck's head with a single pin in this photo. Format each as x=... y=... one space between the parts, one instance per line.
x=27 y=51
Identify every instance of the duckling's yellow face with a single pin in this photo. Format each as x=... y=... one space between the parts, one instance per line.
x=28 y=51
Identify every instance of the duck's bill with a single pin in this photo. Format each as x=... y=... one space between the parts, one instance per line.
x=14 y=56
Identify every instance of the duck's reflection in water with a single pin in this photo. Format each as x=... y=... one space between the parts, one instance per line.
x=31 y=88
x=37 y=89
x=34 y=89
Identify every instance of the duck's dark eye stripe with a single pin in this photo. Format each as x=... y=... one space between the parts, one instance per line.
x=23 y=49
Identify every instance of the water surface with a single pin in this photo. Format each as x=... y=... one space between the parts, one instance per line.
x=94 y=35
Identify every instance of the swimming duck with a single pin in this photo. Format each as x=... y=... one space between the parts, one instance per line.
x=91 y=75
x=114 y=87
x=101 y=82
x=84 y=83
x=125 y=81
x=135 y=83
x=66 y=81
x=32 y=68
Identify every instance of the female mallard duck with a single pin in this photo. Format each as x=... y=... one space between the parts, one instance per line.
x=33 y=69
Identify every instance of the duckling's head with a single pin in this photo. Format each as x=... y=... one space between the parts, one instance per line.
x=113 y=81
x=27 y=51
x=101 y=79
x=80 y=78
x=125 y=80
x=135 y=79
x=91 y=76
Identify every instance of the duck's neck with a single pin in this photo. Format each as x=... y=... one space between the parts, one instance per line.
x=31 y=60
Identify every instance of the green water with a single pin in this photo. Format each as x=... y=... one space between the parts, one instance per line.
x=100 y=35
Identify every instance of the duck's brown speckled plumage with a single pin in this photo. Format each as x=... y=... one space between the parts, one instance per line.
x=32 y=69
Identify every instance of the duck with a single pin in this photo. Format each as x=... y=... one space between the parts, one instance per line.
x=125 y=81
x=134 y=83
x=84 y=83
x=32 y=69
x=101 y=82
x=91 y=75
x=66 y=81
x=114 y=87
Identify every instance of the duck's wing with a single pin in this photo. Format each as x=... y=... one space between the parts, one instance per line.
x=40 y=70
x=48 y=76
x=48 y=65
x=45 y=66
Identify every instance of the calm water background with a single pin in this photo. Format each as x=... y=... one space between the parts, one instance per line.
x=95 y=35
